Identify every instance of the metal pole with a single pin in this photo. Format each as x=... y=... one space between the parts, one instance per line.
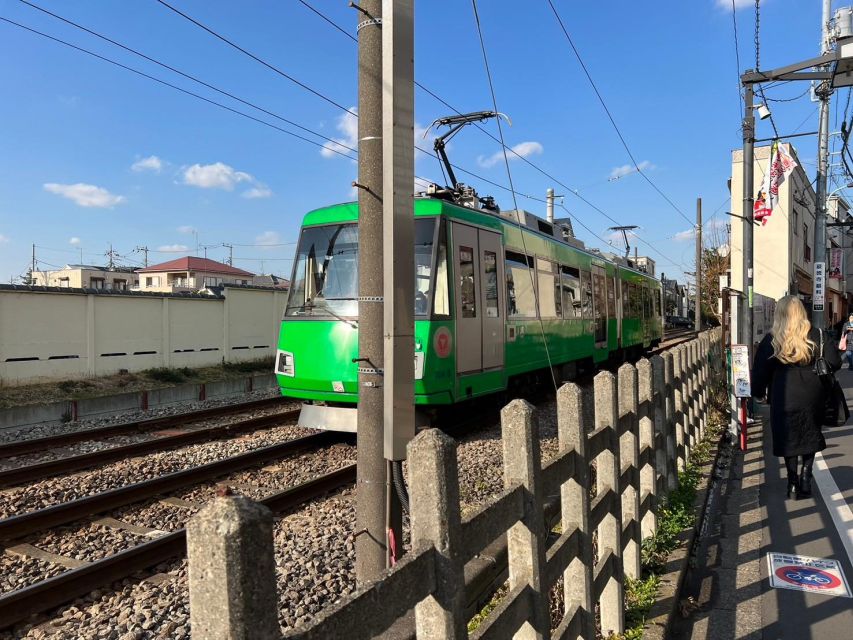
x=371 y=489
x=824 y=92
x=33 y=267
x=698 y=264
x=549 y=205
x=398 y=151
x=745 y=324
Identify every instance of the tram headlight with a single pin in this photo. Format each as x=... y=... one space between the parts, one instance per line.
x=284 y=364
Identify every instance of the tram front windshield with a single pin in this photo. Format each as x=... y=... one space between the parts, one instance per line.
x=325 y=271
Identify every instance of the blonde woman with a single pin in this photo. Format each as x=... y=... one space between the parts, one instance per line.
x=783 y=371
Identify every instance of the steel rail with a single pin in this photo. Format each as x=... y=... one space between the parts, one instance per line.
x=40 y=444
x=19 y=475
x=65 y=512
x=65 y=587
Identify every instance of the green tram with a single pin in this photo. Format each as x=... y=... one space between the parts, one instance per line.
x=500 y=298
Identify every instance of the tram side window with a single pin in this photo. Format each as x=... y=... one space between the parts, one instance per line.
x=467 y=294
x=549 y=303
x=520 y=298
x=626 y=299
x=586 y=294
x=441 y=301
x=656 y=294
x=490 y=286
x=611 y=297
x=570 y=279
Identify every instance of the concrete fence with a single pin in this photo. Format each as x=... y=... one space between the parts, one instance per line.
x=647 y=420
x=48 y=333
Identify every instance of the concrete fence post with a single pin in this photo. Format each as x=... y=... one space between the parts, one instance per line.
x=610 y=529
x=232 y=571
x=574 y=495
x=687 y=400
x=697 y=390
x=434 y=482
x=679 y=408
x=629 y=470
x=526 y=539
x=648 y=448
x=662 y=464
x=671 y=423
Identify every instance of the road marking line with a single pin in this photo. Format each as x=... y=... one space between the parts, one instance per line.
x=838 y=509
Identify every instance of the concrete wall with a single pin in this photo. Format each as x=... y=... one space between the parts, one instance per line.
x=56 y=335
x=102 y=406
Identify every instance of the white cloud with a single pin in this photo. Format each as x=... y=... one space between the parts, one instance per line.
x=739 y=4
x=268 y=239
x=85 y=195
x=186 y=228
x=173 y=248
x=215 y=176
x=260 y=191
x=628 y=169
x=74 y=241
x=684 y=236
x=523 y=149
x=151 y=163
x=347 y=124
x=3 y=239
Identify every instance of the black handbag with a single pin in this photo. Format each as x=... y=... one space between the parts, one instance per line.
x=835 y=412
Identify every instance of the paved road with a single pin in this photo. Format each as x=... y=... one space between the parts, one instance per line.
x=754 y=518
x=810 y=527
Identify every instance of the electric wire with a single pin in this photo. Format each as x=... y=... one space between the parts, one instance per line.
x=184 y=74
x=534 y=270
x=737 y=60
x=571 y=190
x=610 y=115
x=268 y=65
x=175 y=87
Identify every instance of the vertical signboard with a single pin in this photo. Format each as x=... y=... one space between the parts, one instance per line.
x=740 y=371
x=819 y=293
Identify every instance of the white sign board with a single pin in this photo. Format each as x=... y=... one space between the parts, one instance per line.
x=819 y=293
x=802 y=573
x=740 y=371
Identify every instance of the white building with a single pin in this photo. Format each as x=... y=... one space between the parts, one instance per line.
x=86 y=276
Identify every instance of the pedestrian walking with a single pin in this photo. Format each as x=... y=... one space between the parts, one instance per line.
x=783 y=372
x=846 y=342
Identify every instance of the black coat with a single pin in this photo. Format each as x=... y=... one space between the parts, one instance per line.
x=797 y=397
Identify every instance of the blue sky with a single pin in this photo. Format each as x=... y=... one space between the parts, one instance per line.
x=92 y=154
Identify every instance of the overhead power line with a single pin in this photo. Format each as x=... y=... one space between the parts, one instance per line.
x=571 y=190
x=272 y=67
x=610 y=115
x=175 y=87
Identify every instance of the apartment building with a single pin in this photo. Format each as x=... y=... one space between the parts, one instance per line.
x=87 y=276
x=190 y=274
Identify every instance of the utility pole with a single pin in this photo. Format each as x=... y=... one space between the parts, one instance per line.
x=824 y=92
x=33 y=267
x=549 y=205
x=698 y=264
x=230 y=248
x=144 y=251
x=371 y=548
x=745 y=323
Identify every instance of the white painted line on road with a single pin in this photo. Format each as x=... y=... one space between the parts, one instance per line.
x=838 y=509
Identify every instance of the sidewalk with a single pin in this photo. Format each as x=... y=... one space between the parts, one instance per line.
x=733 y=597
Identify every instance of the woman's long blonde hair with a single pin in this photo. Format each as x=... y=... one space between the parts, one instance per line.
x=790 y=331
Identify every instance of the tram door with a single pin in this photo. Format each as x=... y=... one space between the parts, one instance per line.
x=478 y=263
x=599 y=306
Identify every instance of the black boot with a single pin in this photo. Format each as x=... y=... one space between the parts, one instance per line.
x=793 y=486
x=793 y=477
x=806 y=478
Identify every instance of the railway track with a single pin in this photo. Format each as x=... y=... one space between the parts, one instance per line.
x=44 y=595
x=36 y=445
x=69 y=464
x=53 y=592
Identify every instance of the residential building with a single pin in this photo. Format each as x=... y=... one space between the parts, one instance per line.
x=190 y=274
x=87 y=276
x=838 y=210
x=644 y=264
x=783 y=247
